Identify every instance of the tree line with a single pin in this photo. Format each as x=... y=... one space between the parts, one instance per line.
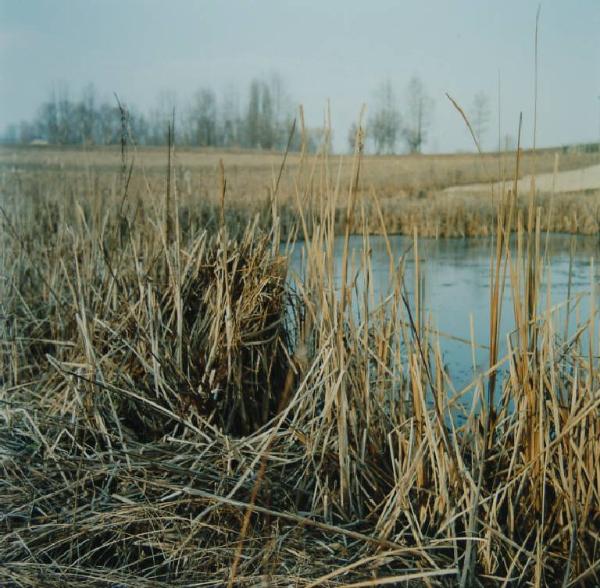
x=403 y=124
x=261 y=120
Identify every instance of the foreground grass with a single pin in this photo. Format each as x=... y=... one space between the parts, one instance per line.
x=179 y=410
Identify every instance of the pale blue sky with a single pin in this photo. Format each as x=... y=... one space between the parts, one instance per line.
x=337 y=49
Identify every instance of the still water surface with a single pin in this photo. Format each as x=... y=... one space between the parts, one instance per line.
x=456 y=274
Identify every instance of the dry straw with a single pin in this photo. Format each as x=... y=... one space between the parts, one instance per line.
x=179 y=409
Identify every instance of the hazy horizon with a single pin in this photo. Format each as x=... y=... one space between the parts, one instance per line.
x=336 y=53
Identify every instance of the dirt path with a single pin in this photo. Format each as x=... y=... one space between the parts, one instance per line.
x=586 y=178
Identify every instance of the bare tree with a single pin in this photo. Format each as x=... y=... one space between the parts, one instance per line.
x=47 y=121
x=252 y=134
x=204 y=118
x=419 y=109
x=282 y=112
x=267 y=123
x=65 y=116
x=162 y=116
x=138 y=126
x=480 y=116
x=385 y=122
x=230 y=118
x=109 y=128
x=85 y=115
x=261 y=119
x=352 y=137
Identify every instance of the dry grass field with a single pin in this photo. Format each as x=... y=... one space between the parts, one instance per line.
x=409 y=188
x=177 y=409
x=250 y=173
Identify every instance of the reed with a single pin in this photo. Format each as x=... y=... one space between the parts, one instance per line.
x=181 y=408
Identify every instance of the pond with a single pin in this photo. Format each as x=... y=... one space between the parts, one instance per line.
x=456 y=288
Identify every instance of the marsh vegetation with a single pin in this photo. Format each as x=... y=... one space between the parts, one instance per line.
x=178 y=406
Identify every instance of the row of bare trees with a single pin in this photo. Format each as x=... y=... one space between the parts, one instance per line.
x=388 y=125
x=393 y=121
x=262 y=121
